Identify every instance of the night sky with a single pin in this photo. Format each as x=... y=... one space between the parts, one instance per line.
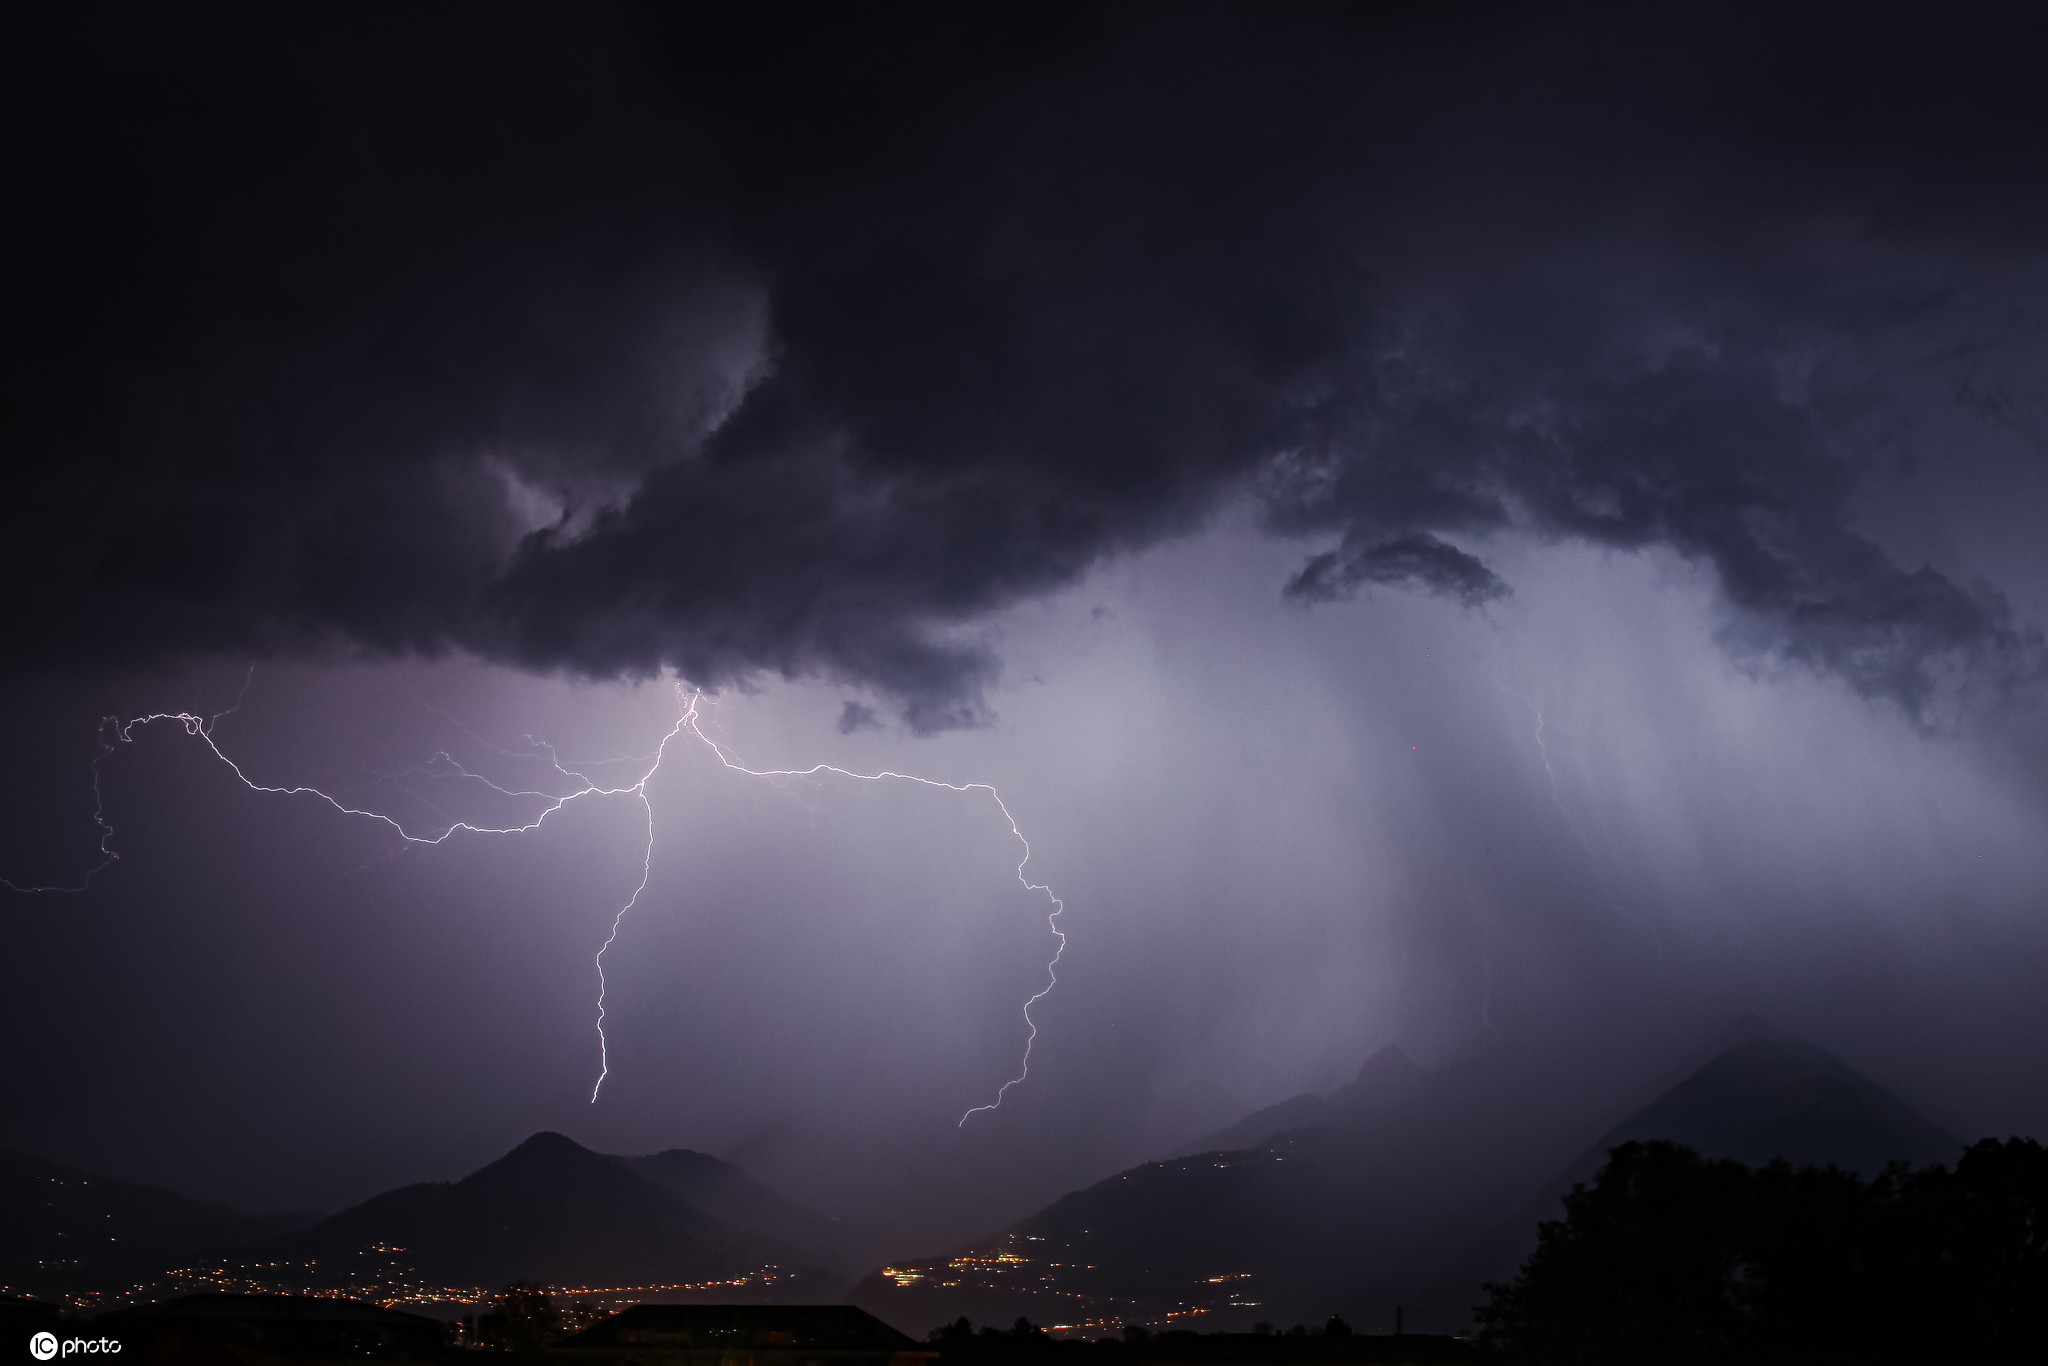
x=1480 y=526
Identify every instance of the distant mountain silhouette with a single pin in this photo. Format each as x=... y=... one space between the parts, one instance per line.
x=1769 y=1097
x=1262 y=1126
x=1383 y=1083
x=62 y=1228
x=1383 y=1184
x=1780 y=1098
x=551 y=1210
x=728 y=1194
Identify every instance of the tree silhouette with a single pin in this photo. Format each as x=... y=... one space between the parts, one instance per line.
x=522 y=1319
x=1672 y=1258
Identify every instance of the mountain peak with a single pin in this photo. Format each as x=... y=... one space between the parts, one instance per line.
x=545 y=1149
x=548 y=1141
x=1391 y=1059
x=553 y=1210
x=1748 y=1028
x=1384 y=1080
x=1778 y=1096
x=549 y=1158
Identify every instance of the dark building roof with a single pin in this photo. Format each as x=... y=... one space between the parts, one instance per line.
x=265 y=1309
x=806 y=1328
x=1286 y=1349
x=235 y=1328
x=23 y=1315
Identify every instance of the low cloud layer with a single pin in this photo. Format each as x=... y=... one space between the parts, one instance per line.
x=798 y=341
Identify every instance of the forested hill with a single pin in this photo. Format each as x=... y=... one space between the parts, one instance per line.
x=1409 y=1188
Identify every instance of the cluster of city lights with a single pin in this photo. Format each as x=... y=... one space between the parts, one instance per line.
x=1013 y=1266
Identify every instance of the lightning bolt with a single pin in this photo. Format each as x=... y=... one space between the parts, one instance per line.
x=115 y=732
x=1543 y=749
x=1052 y=919
x=1593 y=861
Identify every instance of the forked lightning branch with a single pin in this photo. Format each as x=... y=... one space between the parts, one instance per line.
x=115 y=732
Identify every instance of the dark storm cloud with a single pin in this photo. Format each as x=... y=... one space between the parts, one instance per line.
x=799 y=339
x=1417 y=557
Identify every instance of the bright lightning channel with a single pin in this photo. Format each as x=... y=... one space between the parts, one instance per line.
x=115 y=732
x=1052 y=919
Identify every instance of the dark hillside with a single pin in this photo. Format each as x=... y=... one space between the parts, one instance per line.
x=1403 y=1173
x=735 y=1199
x=1770 y=1097
x=550 y=1211
x=63 y=1229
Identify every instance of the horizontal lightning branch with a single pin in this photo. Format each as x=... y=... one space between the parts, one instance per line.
x=115 y=732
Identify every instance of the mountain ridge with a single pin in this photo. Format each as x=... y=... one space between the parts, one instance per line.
x=1384 y=1080
x=728 y=1193
x=65 y=1226
x=549 y=1209
x=553 y=1211
x=1410 y=1169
